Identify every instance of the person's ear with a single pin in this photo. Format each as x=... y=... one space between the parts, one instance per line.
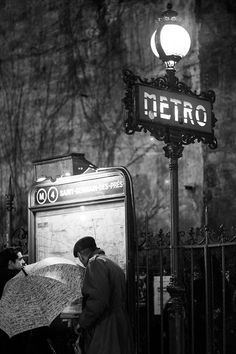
x=11 y=264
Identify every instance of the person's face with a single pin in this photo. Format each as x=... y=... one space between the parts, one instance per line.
x=19 y=262
x=83 y=259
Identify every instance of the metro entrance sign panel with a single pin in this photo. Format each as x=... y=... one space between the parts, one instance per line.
x=171 y=109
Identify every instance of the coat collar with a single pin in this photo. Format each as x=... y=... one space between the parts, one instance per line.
x=96 y=253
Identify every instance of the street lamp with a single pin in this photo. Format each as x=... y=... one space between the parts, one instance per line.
x=171 y=42
x=176 y=115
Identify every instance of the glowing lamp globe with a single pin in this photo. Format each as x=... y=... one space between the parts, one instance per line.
x=170 y=42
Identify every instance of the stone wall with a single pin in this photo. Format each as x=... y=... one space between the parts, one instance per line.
x=217 y=40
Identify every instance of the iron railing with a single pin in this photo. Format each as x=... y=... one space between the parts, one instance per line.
x=208 y=266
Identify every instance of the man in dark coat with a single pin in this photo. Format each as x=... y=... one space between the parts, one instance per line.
x=104 y=320
x=11 y=262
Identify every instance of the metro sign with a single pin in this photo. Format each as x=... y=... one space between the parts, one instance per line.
x=169 y=110
x=161 y=107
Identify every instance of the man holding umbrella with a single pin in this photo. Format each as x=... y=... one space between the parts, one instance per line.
x=11 y=262
x=32 y=300
x=104 y=323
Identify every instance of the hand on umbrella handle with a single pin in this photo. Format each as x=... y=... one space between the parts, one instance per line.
x=76 y=326
x=77 y=329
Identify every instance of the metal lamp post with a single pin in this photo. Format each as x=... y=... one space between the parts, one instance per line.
x=170 y=42
x=174 y=114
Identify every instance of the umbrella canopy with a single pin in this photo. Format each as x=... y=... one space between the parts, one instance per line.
x=38 y=294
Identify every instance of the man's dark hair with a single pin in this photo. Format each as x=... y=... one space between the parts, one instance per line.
x=8 y=254
x=86 y=242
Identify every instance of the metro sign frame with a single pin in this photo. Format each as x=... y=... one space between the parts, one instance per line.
x=163 y=107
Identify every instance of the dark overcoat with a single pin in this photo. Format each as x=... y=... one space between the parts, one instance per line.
x=104 y=319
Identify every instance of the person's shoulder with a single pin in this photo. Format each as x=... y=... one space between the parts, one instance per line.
x=98 y=258
x=8 y=273
x=103 y=259
x=98 y=254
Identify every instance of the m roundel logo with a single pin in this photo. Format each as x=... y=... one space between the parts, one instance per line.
x=43 y=195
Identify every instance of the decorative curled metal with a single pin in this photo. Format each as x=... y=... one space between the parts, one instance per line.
x=173 y=151
x=194 y=236
x=169 y=82
x=176 y=292
x=204 y=234
x=160 y=134
x=149 y=240
x=165 y=83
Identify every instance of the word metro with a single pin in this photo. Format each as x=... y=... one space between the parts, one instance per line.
x=172 y=109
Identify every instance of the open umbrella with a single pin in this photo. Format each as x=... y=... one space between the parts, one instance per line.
x=38 y=294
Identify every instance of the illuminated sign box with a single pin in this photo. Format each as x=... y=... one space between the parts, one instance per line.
x=79 y=191
x=171 y=109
